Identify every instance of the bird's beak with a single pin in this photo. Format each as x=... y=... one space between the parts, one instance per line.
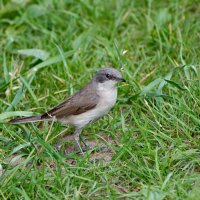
x=122 y=80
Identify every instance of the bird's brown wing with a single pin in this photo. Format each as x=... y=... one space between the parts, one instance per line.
x=80 y=102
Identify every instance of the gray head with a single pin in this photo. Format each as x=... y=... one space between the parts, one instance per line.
x=110 y=75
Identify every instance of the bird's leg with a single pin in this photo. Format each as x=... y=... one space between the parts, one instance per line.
x=77 y=138
x=83 y=141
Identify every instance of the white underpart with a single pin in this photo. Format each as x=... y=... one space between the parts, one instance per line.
x=108 y=96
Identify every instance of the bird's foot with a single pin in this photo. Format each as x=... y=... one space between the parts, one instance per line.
x=86 y=146
x=82 y=150
x=58 y=146
x=95 y=160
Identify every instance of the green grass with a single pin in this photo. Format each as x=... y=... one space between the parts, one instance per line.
x=153 y=130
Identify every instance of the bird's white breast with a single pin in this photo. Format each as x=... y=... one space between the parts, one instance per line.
x=107 y=99
x=107 y=94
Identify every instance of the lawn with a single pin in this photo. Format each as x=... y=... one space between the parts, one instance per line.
x=148 y=147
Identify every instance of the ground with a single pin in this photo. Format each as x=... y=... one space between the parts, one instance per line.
x=148 y=147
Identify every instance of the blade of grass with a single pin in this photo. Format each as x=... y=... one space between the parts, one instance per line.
x=16 y=99
x=5 y=69
x=6 y=115
x=37 y=53
x=49 y=62
x=27 y=85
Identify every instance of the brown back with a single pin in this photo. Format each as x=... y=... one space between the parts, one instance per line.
x=78 y=103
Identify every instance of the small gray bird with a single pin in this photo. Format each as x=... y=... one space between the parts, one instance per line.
x=86 y=106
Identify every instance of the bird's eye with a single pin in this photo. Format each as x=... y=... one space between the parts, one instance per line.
x=108 y=76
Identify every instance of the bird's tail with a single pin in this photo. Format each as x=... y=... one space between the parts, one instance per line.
x=26 y=119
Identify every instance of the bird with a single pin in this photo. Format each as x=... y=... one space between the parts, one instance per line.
x=87 y=105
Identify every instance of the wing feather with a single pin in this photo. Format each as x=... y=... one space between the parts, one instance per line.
x=78 y=103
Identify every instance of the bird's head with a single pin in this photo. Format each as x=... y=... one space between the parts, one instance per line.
x=108 y=77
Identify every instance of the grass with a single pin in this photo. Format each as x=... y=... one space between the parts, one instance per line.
x=49 y=49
